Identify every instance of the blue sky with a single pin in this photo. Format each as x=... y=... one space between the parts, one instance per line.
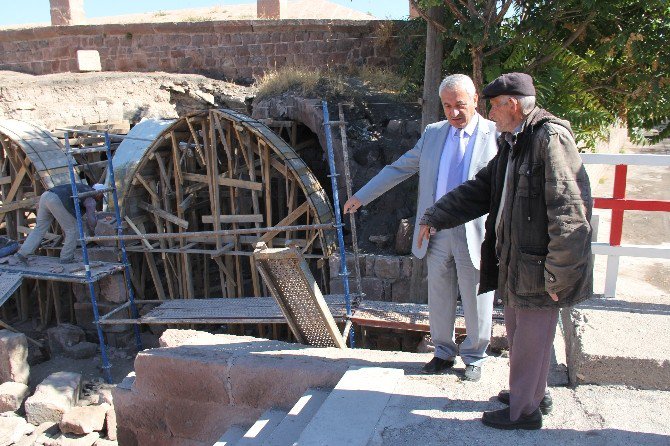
x=37 y=11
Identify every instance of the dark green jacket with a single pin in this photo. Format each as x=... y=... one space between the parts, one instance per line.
x=545 y=241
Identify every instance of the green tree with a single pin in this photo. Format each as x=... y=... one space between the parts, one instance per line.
x=595 y=63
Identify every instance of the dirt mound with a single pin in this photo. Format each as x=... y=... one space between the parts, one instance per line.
x=81 y=99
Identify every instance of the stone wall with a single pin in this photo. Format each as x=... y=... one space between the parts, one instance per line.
x=229 y=49
x=383 y=277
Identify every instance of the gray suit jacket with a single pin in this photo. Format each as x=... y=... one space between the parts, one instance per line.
x=424 y=159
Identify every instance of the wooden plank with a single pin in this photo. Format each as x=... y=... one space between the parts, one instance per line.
x=14 y=189
x=5 y=180
x=198 y=148
x=290 y=218
x=138 y=232
x=215 y=204
x=146 y=185
x=244 y=218
x=149 y=257
x=183 y=204
x=26 y=230
x=195 y=177
x=163 y=214
x=243 y=184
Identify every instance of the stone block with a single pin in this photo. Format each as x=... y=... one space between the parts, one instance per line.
x=12 y=429
x=82 y=350
x=406 y=267
x=88 y=60
x=44 y=430
x=12 y=395
x=82 y=420
x=205 y=422
x=403 y=237
x=67 y=12
x=113 y=288
x=395 y=127
x=110 y=423
x=265 y=381
x=370 y=264
x=105 y=442
x=52 y=397
x=400 y=291
x=181 y=376
x=13 y=357
x=334 y=265
x=64 y=335
x=373 y=288
x=595 y=351
x=387 y=267
x=270 y=9
x=73 y=440
x=83 y=313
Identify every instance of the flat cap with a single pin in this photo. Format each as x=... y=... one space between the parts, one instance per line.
x=513 y=84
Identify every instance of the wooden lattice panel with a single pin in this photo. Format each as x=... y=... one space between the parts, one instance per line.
x=291 y=283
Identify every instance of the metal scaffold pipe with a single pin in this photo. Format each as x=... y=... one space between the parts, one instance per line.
x=224 y=232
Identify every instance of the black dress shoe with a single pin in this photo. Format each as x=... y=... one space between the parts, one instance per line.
x=545 y=405
x=499 y=419
x=437 y=365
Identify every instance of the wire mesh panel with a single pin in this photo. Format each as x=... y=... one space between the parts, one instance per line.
x=291 y=283
x=9 y=282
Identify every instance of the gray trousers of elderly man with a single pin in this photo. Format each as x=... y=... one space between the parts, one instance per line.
x=450 y=271
x=52 y=207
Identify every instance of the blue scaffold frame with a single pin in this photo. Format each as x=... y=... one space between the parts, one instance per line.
x=69 y=151
x=344 y=272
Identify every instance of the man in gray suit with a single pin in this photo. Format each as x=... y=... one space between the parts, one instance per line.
x=449 y=153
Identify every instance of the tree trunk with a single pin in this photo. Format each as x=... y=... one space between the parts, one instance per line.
x=433 y=71
x=478 y=77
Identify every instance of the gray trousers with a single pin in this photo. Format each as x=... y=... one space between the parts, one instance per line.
x=51 y=207
x=530 y=334
x=450 y=270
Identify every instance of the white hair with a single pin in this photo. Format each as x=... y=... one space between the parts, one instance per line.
x=458 y=80
x=526 y=103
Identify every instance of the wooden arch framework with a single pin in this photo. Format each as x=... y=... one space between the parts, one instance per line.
x=213 y=170
x=31 y=161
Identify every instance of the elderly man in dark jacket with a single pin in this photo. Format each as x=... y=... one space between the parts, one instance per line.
x=537 y=247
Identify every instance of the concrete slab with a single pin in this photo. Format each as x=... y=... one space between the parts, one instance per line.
x=261 y=430
x=297 y=418
x=612 y=341
x=351 y=411
x=232 y=435
x=434 y=410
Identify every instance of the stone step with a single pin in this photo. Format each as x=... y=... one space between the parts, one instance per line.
x=262 y=428
x=596 y=335
x=350 y=413
x=231 y=436
x=297 y=418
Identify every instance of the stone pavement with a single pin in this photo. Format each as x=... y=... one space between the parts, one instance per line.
x=444 y=410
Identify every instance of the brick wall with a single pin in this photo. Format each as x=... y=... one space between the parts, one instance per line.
x=230 y=49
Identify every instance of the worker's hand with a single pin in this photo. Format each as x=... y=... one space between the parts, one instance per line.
x=425 y=232
x=554 y=297
x=352 y=205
